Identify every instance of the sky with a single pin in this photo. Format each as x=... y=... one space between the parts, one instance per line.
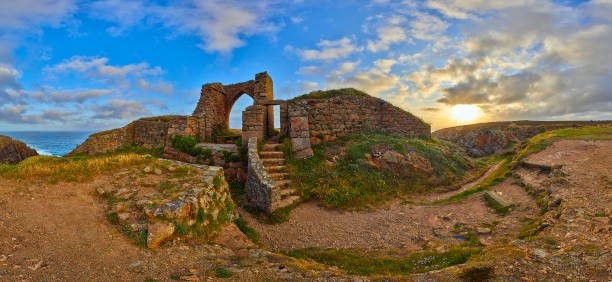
x=70 y=65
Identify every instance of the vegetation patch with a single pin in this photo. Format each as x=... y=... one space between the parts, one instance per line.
x=222 y=273
x=187 y=144
x=341 y=175
x=248 y=231
x=326 y=94
x=358 y=264
x=74 y=169
x=543 y=140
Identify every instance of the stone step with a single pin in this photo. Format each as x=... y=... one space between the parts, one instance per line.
x=287 y=192
x=272 y=162
x=269 y=147
x=285 y=202
x=278 y=175
x=270 y=154
x=276 y=169
x=282 y=183
x=496 y=199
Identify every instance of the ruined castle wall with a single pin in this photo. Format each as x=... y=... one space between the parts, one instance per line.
x=311 y=120
x=147 y=132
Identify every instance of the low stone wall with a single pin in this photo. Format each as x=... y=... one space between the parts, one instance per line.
x=309 y=121
x=171 y=199
x=147 y=132
x=260 y=188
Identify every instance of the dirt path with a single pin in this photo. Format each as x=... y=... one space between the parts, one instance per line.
x=398 y=227
x=428 y=198
x=60 y=233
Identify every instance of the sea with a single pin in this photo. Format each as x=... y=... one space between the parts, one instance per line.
x=50 y=143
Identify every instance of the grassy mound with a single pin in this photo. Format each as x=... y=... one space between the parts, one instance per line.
x=341 y=173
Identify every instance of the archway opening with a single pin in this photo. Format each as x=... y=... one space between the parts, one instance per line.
x=277 y=117
x=235 y=116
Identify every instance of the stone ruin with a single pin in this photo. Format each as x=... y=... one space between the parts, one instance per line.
x=216 y=102
x=305 y=120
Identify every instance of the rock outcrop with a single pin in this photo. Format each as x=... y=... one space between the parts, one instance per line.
x=13 y=151
x=483 y=139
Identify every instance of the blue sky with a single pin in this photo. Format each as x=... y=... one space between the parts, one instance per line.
x=94 y=65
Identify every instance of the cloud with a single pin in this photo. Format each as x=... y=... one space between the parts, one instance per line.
x=125 y=13
x=310 y=70
x=161 y=87
x=429 y=109
x=308 y=86
x=387 y=35
x=97 y=67
x=296 y=20
x=78 y=97
x=120 y=109
x=427 y=27
x=25 y=14
x=329 y=50
x=371 y=82
x=16 y=114
x=384 y=65
x=220 y=25
x=57 y=115
x=538 y=61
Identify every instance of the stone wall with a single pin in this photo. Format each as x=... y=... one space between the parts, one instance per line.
x=198 y=203
x=260 y=188
x=147 y=132
x=313 y=120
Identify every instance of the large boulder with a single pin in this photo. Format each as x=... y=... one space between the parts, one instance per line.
x=13 y=151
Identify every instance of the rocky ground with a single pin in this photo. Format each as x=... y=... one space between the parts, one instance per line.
x=559 y=229
x=568 y=239
x=59 y=232
x=398 y=226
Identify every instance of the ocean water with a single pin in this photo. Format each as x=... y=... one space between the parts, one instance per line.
x=51 y=143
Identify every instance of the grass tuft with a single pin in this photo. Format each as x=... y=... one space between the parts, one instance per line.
x=355 y=264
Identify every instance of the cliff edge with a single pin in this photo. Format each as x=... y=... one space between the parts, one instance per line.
x=13 y=151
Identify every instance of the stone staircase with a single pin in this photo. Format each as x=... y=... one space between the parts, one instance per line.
x=274 y=164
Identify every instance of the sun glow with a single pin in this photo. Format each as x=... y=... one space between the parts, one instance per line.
x=465 y=112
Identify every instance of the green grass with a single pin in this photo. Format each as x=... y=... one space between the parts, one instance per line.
x=248 y=231
x=187 y=144
x=357 y=264
x=222 y=273
x=543 y=140
x=134 y=148
x=353 y=182
x=326 y=94
x=533 y=145
x=70 y=169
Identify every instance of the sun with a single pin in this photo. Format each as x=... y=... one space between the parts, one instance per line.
x=465 y=112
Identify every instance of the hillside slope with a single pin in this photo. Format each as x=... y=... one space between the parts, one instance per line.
x=13 y=151
x=483 y=139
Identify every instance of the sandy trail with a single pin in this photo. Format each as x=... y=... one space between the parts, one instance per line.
x=397 y=227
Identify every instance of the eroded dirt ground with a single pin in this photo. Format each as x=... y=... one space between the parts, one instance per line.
x=571 y=239
x=399 y=226
x=59 y=233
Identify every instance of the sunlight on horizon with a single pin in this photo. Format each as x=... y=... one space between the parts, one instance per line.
x=465 y=113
